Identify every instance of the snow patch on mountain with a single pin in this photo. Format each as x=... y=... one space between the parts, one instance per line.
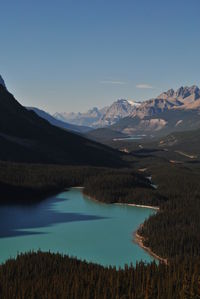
x=97 y=118
x=133 y=103
x=185 y=98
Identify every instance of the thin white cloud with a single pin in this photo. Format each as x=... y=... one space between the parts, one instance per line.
x=113 y=82
x=144 y=86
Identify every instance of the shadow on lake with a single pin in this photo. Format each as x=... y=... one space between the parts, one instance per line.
x=16 y=219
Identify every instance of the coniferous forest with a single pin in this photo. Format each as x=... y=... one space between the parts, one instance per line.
x=172 y=233
x=49 y=276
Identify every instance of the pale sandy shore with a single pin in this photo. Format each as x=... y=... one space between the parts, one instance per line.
x=138 y=206
x=140 y=241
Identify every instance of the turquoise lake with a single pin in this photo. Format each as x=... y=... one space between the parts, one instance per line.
x=71 y=223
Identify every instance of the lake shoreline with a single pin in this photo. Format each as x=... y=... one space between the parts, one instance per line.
x=138 y=205
x=119 y=203
x=137 y=238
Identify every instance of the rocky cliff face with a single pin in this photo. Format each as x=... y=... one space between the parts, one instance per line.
x=183 y=98
x=118 y=110
x=170 y=111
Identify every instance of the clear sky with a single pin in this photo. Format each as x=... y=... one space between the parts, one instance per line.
x=75 y=54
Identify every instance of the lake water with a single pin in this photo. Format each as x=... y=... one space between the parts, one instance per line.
x=72 y=224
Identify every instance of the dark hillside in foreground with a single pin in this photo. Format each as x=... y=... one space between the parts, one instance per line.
x=25 y=137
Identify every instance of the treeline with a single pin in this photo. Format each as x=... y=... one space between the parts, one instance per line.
x=35 y=181
x=20 y=181
x=50 y=276
x=123 y=186
x=174 y=231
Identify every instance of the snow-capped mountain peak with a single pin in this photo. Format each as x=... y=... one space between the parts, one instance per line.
x=101 y=117
x=133 y=103
x=187 y=98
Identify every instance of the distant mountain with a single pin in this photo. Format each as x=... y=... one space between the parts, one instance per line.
x=89 y=118
x=118 y=110
x=26 y=137
x=180 y=99
x=171 y=111
x=98 y=118
x=58 y=123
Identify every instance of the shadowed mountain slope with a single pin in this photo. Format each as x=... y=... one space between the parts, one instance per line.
x=58 y=123
x=27 y=137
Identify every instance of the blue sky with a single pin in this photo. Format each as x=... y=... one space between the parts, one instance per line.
x=73 y=55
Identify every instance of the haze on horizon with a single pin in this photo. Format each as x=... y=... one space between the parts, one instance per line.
x=73 y=55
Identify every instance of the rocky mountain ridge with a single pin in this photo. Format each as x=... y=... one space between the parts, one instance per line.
x=173 y=110
x=98 y=118
x=184 y=98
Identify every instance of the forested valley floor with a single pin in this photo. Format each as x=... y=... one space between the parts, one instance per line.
x=172 y=233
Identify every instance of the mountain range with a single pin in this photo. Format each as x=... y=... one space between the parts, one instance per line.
x=173 y=110
x=99 y=118
x=184 y=98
